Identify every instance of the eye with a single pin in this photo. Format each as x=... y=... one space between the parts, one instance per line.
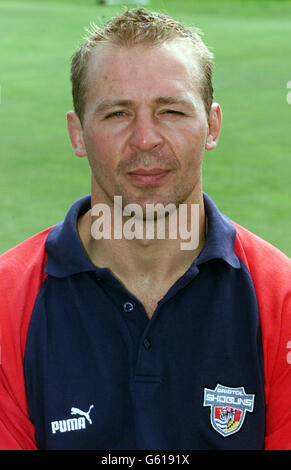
x=115 y=114
x=173 y=111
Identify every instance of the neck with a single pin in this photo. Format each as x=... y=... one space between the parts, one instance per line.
x=158 y=258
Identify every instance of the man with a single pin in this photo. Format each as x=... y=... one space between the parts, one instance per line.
x=128 y=342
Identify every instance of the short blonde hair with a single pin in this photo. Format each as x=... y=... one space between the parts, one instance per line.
x=138 y=26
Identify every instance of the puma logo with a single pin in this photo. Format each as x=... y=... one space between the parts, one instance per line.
x=76 y=411
x=73 y=424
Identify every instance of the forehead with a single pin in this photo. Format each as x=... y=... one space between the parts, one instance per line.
x=142 y=69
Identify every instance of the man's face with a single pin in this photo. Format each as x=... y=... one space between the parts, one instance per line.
x=145 y=126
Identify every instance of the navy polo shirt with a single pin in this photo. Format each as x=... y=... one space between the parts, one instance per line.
x=100 y=375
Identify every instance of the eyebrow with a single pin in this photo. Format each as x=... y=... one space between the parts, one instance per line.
x=109 y=104
x=168 y=100
x=161 y=101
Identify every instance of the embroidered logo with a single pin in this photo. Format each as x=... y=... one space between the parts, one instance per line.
x=228 y=407
x=72 y=424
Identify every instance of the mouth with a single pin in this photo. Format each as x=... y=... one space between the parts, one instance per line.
x=145 y=176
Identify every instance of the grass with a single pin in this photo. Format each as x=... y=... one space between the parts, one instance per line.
x=248 y=175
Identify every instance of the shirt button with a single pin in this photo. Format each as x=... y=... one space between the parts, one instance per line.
x=127 y=307
x=147 y=343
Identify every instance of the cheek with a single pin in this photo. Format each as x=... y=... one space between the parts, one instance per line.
x=191 y=144
x=99 y=149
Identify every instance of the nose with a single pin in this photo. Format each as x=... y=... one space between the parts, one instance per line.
x=145 y=134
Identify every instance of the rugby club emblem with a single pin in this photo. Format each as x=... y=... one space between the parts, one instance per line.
x=228 y=407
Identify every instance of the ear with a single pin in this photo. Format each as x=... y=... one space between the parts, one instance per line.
x=214 y=126
x=76 y=134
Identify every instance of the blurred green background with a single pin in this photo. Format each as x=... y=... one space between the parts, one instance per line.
x=248 y=175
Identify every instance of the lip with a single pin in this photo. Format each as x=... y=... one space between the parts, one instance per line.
x=145 y=176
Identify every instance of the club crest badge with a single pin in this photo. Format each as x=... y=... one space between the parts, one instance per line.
x=228 y=408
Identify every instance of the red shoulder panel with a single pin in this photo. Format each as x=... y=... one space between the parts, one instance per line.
x=21 y=277
x=271 y=274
